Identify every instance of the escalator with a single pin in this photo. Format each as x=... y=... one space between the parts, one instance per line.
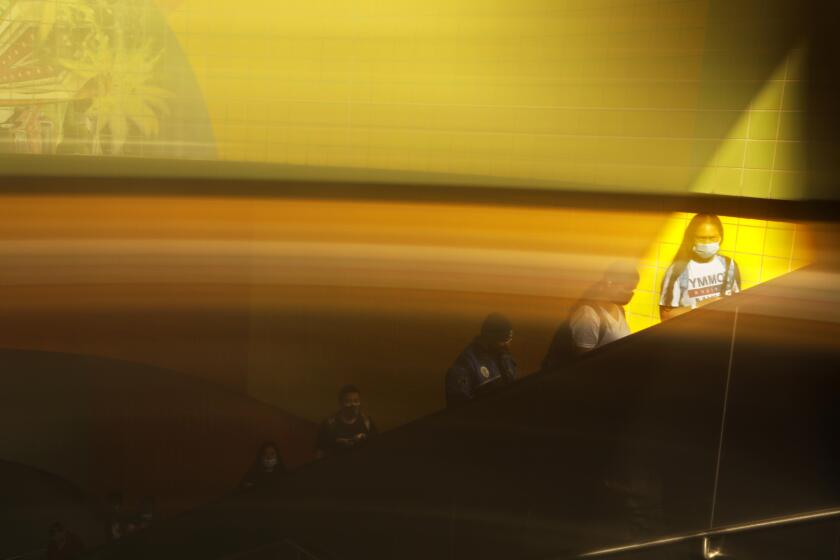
x=720 y=418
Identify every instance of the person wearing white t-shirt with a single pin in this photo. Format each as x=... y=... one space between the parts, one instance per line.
x=699 y=274
x=597 y=319
x=596 y=324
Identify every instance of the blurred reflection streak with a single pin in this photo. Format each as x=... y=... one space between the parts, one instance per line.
x=245 y=287
x=253 y=218
x=278 y=262
x=120 y=248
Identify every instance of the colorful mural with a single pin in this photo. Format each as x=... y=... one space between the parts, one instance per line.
x=85 y=77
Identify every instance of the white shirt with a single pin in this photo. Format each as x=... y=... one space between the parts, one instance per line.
x=699 y=282
x=585 y=325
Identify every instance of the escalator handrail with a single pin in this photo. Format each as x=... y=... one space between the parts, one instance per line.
x=718 y=531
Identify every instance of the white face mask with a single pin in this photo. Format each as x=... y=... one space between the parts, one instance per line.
x=706 y=250
x=270 y=463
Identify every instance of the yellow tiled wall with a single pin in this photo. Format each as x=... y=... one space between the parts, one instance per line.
x=763 y=153
x=761 y=156
x=763 y=250
x=575 y=90
x=596 y=94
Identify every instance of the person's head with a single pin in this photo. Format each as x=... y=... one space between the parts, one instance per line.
x=350 y=399
x=702 y=238
x=269 y=456
x=496 y=331
x=619 y=282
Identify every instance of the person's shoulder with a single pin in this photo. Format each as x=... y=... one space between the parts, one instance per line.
x=725 y=262
x=469 y=353
x=584 y=312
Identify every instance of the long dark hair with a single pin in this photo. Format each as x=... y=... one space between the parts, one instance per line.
x=686 y=251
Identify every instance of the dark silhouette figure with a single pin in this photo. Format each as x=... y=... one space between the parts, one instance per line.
x=485 y=364
x=268 y=467
x=347 y=428
x=63 y=544
x=145 y=513
x=114 y=517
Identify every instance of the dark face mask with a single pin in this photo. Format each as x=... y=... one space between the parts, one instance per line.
x=498 y=343
x=501 y=347
x=623 y=297
x=351 y=411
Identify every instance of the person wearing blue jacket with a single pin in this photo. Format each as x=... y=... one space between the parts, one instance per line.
x=485 y=364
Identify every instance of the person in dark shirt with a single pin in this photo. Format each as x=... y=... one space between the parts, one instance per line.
x=64 y=545
x=485 y=364
x=131 y=525
x=146 y=512
x=268 y=467
x=347 y=428
x=114 y=517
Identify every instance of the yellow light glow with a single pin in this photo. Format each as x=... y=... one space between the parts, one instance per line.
x=763 y=249
x=763 y=154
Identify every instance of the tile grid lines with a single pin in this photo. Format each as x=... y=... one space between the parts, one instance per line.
x=744 y=155
x=763 y=253
x=778 y=127
x=653 y=305
x=274 y=143
x=772 y=174
x=658 y=266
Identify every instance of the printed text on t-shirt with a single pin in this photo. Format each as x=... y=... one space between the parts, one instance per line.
x=705 y=285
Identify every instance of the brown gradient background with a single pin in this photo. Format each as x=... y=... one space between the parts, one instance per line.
x=285 y=300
